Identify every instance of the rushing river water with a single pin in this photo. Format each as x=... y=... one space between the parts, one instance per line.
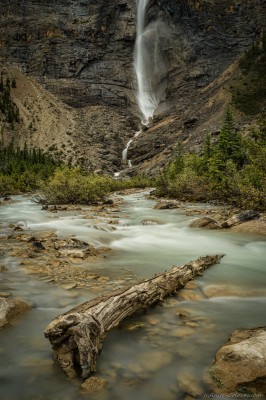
x=158 y=360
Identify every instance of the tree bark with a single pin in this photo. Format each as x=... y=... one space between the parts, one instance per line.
x=77 y=335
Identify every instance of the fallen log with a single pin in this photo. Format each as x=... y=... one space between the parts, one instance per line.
x=77 y=335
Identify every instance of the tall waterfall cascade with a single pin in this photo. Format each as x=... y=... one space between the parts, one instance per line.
x=148 y=63
x=149 y=69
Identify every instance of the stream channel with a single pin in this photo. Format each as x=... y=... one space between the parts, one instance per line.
x=167 y=353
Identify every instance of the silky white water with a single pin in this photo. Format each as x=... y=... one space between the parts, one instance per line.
x=146 y=64
x=149 y=362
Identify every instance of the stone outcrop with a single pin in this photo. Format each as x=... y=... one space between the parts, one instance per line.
x=240 y=365
x=81 y=53
x=240 y=218
x=236 y=219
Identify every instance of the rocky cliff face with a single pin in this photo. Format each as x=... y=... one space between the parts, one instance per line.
x=81 y=52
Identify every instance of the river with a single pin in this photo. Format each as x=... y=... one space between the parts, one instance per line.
x=156 y=361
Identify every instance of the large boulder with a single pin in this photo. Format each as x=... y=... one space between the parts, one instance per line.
x=240 y=365
x=11 y=309
x=240 y=218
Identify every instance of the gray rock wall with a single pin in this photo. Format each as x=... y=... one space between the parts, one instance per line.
x=82 y=50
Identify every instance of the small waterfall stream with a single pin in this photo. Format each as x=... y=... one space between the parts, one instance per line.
x=149 y=363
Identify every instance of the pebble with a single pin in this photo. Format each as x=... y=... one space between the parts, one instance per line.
x=68 y=286
x=93 y=384
x=151 y=320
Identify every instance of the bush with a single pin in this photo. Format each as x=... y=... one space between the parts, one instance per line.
x=74 y=186
x=232 y=170
x=7 y=185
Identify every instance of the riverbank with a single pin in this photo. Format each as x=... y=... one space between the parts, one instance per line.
x=57 y=258
x=61 y=260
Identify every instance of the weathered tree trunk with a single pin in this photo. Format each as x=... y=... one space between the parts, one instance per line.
x=77 y=335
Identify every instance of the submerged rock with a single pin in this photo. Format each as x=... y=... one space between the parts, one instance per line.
x=188 y=384
x=240 y=365
x=231 y=290
x=150 y=361
x=150 y=222
x=5 y=294
x=167 y=205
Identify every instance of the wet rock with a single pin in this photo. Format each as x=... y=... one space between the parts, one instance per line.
x=68 y=286
x=192 y=324
x=102 y=279
x=5 y=294
x=3 y=268
x=183 y=314
x=93 y=384
x=191 y=285
x=152 y=320
x=26 y=238
x=11 y=309
x=74 y=248
x=166 y=205
x=240 y=365
x=182 y=331
x=38 y=246
x=205 y=222
x=7 y=200
x=240 y=218
x=18 y=228
x=190 y=295
x=150 y=222
x=109 y=202
x=257 y=226
x=132 y=326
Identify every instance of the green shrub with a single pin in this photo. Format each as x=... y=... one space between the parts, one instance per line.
x=7 y=185
x=232 y=170
x=72 y=185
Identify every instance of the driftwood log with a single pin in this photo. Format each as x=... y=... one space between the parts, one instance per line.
x=77 y=335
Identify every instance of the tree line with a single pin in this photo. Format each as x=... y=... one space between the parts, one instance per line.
x=7 y=107
x=231 y=169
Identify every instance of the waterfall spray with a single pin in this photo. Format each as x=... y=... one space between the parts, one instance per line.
x=147 y=64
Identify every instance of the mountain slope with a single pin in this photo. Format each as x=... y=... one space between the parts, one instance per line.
x=76 y=72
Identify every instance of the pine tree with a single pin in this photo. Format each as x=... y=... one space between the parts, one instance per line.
x=230 y=142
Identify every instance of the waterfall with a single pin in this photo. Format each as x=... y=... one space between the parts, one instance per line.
x=147 y=63
x=149 y=68
x=124 y=153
